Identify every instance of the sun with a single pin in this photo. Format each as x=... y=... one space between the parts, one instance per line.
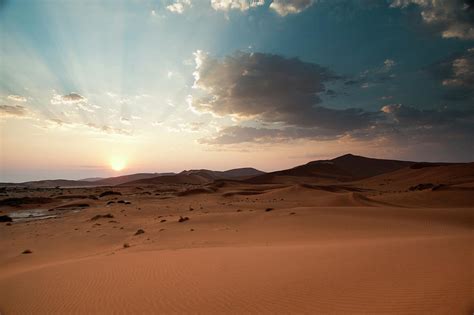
x=118 y=163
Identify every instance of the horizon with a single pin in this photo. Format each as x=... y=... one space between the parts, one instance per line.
x=125 y=173
x=104 y=89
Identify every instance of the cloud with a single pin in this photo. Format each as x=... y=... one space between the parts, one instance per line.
x=285 y=7
x=405 y=116
x=270 y=89
x=14 y=111
x=456 y=75
x=446 y=131
x=273 y=99
x=388 y=64
x=396 y=123
x=242 y=134
x=79 y=101
x=109 y=129
x=17 y=98
x=375 y=75
x=125 y=120
x=72 y=98
x=242 y=5
x=102 y=128
x=462 y=71
x=455 y=18
x=179 y=6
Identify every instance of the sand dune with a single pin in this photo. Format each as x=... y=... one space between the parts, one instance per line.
x=410 y=176
x=341 y=169
x=327 y=277
x=303 y=245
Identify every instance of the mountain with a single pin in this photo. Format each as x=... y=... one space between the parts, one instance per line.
x=201 y=176
x=362 y=167
x=195 y=179
x=344 y=168
x=92 y=179
x=320 y=170
x=111 y=181
x=236 y=173
x=242 y=172
x=341 y=169
x=51 y=183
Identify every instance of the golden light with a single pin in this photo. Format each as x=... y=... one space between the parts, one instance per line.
x=118 y=163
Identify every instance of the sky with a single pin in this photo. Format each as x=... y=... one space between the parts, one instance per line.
x=104 y=88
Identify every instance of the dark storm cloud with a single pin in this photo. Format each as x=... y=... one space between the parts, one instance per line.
x=272 y=89
x=397 y=122
x=282 y=98
x=454 y=18
x=410 y=116
x=451 y=131
x=241 y=134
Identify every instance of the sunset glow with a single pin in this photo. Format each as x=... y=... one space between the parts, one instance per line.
x=118 y=164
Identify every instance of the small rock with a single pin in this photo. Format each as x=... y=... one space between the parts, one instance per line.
x=162 y=221
x=27 y=251
x=139 y=231
x=182 y=219
x=268 y=209
x=102 y=216
x=5 y=218
x=126 y=245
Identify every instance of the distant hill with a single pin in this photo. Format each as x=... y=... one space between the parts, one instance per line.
x=92 y=179
x=195 y=179
x=202 y=176
x=321 y=170
x=236 y=173
x=341 y=169
x=362 y=167
x=51 y=183
x=111 y=181
x=242 y=172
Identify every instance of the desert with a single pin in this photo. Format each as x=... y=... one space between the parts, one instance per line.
x=237 y=157
x=317 y=238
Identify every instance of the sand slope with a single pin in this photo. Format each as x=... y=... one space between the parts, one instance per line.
x=431 y=276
